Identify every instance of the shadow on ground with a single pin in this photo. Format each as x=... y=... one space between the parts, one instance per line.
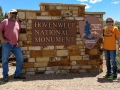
x=62 y=77
x=55 y=76
x=67 y=76
x=106 y=80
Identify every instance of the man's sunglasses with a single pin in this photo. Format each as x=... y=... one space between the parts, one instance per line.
x=14 y=13
x=109 y=21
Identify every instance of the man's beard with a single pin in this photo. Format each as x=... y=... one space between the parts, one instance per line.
x=12 y=17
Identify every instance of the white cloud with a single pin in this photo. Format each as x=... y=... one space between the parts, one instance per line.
x=87 y=6
x=95 y=1
x=115 y=2
x=91 y=1
x=82 y=0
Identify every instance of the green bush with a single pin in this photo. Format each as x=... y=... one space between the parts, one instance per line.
x=118 y=59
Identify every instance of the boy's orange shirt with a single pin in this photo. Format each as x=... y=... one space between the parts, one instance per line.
x=110 y=37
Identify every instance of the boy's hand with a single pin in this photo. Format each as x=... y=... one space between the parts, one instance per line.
x=119 y=48
x=102 y=48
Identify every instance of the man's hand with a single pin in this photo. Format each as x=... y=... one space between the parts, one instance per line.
x=17 y=45
x=4 y=41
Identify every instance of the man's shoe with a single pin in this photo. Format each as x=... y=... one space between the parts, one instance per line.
x=5 y=79
x=112 y=77
x=19 y=77
x=106 y=75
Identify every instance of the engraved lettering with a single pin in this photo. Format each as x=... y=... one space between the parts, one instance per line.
x=54 y=25
x=58 y=39
x=73 y=25
x=50 y=24
x=37 y=24
x=47 y=39
x=37 y=40
x=53 y=32
x=59 y=24
x=37 y=32
x=42 y=33
x=44 y=25
x=42 y=39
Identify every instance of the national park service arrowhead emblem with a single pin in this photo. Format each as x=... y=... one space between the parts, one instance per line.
x=90 y=31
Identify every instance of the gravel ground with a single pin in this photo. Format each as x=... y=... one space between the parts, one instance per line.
x=82 y=81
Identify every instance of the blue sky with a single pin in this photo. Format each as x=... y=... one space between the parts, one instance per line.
x=110 y=7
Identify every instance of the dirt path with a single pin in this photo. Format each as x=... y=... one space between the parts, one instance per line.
x=82 y=81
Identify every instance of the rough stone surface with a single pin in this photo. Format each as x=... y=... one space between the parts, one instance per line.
x=72 y=56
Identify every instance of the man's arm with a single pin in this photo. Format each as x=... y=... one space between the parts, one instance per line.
x=3 y=40
x=1 y=35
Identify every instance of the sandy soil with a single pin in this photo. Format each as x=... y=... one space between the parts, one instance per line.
x=81 y=81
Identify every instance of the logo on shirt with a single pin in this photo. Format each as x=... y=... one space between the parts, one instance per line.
x=108 y=33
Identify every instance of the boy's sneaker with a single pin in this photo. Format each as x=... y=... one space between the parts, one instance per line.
x=5 y=79
x=112 y=77
x=106 y=75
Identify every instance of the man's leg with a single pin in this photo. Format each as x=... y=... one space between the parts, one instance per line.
x=6 y=48
x=19 y=62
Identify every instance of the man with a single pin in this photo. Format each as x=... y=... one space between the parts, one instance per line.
x=9 y=30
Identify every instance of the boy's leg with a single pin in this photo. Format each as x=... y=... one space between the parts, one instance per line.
x=114 y=63
x=108 y=64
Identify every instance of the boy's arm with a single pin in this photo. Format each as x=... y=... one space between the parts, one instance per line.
x=118 y=42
